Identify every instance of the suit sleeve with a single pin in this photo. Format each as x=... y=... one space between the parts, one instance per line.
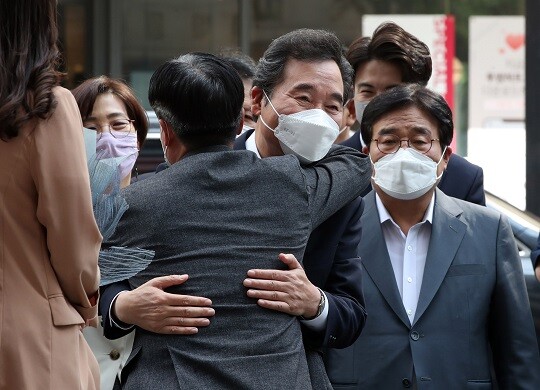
x=108 y=293
x=64 y=203
x=476 y=193
x=343 y=284
x=335 y=180
x=512 y=334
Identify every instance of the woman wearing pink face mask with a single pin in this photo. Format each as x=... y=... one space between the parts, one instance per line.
x=110 y=108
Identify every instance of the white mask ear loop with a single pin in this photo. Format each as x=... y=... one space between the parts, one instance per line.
x=444 y=151
x=273 y=108
x=269 y=101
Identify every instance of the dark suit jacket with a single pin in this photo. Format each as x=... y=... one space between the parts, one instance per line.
x=331 y=263
x=461 y=179
x=472 y=298
x=188 y=215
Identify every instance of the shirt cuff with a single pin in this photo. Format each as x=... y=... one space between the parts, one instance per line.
x=318 y=323
x=117 y=324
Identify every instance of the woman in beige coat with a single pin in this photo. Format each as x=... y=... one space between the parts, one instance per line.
x=49 y=241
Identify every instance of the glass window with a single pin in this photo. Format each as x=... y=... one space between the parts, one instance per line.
x=154 y=31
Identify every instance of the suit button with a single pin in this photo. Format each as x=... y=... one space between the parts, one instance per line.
x=332 y=337
x=406 y=383
x=414 y=335
x=114 y=354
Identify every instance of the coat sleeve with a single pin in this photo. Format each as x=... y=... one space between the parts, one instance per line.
x=64 y=203
x=342 y=175
x=476 y=192
x=512 y=334
x=339 y=274
x=108 y=293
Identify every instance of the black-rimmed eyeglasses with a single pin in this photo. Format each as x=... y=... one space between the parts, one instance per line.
x=390 y=143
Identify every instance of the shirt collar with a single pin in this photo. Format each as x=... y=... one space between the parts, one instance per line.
x=251 y=145
x=385 y=216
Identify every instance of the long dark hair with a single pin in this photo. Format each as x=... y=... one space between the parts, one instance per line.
x=29 y=58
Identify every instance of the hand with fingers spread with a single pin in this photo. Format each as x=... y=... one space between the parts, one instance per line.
x=151 y=308
x=288 y=291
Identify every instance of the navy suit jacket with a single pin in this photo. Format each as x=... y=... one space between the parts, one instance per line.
x=331 y=263
x=461 y=179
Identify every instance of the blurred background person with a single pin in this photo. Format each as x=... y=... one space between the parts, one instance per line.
x=246 y=67
x=49 y=238
x=390 y=57
x=110 y=108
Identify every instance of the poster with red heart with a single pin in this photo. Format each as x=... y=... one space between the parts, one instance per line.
x=496 y=71
x=497 y=103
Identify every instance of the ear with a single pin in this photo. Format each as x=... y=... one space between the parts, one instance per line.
x=257 y=96
x=166 y=132
x=448 y=152
x=365 y=150
x=351 y=113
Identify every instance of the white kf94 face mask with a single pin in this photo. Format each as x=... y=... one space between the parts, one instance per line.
x=306 y=134
x=406 y=174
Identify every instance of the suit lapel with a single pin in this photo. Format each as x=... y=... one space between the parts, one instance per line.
x=376 y=260
x=446 y=236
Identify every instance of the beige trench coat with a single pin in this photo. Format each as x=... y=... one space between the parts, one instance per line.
x=49 y=245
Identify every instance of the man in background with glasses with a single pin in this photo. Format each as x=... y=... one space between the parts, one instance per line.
x=443 y=282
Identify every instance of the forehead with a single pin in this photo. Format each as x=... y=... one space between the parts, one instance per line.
x=405 y=121
x=319 y=75
x=108 y=103
x=378 y=74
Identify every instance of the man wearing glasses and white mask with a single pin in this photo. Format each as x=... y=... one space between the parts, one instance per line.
x=390 y=57
x=443 y=282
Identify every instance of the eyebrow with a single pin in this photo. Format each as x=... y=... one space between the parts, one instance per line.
x=363 y=84
x=368 y=85
x=309 y=87
x=416 y=129
x=112 y=115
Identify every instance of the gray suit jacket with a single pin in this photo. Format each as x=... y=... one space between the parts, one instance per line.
x=472 y=297
x=189 y=215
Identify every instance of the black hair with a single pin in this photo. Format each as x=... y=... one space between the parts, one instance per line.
x=200 y=96
x=406 y=95
x=393 y=44
x=244 y=64
x=302 y=45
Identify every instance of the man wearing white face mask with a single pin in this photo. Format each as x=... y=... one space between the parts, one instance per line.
x=299 y=88
x=457 y=299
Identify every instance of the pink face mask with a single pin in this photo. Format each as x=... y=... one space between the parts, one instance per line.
x=108 y=146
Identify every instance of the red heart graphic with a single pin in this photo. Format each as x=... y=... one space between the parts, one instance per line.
x=515 y=41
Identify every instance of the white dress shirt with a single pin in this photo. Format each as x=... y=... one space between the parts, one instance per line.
x=318 y=323
x=407 y=254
